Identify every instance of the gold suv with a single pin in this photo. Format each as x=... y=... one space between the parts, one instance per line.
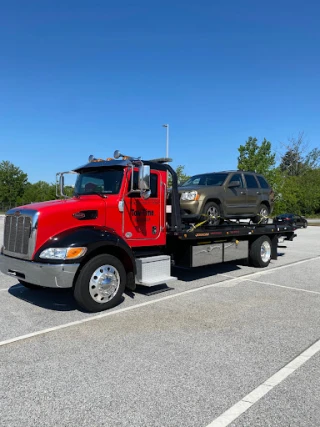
x=228 y=194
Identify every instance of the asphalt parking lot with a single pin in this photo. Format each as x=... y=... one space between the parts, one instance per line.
x=231 y=345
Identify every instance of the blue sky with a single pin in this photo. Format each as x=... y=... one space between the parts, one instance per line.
x=88 y=77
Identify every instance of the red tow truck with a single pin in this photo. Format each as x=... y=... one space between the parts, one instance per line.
x=117 y=231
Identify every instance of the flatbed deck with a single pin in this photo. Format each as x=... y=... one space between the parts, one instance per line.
x=230 y=231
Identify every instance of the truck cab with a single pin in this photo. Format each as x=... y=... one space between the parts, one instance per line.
x=118 y=210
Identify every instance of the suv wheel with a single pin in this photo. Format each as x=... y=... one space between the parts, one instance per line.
x=212 y=209
x=263 y=212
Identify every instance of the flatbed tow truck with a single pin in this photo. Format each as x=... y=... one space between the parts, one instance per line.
x=117 y=231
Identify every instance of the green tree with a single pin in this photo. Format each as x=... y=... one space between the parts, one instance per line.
x=301 y=194
x=182 y=177
x=255 y=157
x=40 y=191
x=13 y=182
x=297 y=160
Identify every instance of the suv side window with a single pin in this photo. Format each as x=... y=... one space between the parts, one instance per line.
x=237 y=177
x=251 y=181
x=263 y=183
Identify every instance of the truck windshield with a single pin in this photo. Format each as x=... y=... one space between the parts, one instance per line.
x=215 y=179
x=99 y=182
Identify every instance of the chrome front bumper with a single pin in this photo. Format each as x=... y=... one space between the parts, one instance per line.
x=47 y=275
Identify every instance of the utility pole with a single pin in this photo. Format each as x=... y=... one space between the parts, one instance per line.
x=167 y=140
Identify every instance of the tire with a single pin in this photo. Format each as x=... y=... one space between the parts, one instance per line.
x=263 y=211
x=260 y=252
x=91 y=293
x=305 y=224
x=212 y=208
x=30 y=285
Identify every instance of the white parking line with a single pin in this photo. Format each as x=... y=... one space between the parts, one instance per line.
x=144 y=304
x=255 y=395
x=282 y=286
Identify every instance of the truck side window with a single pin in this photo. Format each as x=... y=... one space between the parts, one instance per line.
x=153 y=185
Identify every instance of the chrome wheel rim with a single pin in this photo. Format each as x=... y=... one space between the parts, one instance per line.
x=264 y=212
x=104 y=283
x=265 y=251
x=263 y=215
x=213 y=211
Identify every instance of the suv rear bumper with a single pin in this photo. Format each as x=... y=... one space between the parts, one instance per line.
x=47 y=275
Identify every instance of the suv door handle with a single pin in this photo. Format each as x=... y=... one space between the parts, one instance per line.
x=243 y=192
x=258 y=192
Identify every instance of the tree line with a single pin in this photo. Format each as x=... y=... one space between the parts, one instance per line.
x=294 y=177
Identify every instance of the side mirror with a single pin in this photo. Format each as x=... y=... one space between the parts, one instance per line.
x=61 y=183
x=234 y=184
x=144 y=181
x=144 y=178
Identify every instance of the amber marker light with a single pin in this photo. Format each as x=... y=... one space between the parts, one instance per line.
x=73 y=253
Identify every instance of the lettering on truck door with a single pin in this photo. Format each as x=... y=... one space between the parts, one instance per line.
x=144 y=218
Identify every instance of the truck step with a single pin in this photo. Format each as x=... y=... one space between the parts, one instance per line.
x=154 y=290
x=157 y=281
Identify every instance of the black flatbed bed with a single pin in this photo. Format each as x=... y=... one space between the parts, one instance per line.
x=229 y=231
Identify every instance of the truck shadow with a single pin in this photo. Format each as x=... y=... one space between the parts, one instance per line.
x=50 y=299
x=62 y=299
x=196 y=273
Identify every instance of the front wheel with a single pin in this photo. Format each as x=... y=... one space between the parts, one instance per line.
x=260 y=252
x=100 y=284
x=213 y=211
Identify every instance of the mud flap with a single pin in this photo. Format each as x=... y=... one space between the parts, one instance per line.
x=274 y=247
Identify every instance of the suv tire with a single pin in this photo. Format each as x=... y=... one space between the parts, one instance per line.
x=211 y=208
x=263 y=211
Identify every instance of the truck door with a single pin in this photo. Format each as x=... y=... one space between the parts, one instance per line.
x=144 y=219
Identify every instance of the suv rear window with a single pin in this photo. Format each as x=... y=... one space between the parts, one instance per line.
x=215 y=179
x=263 y=183
x=251 y=181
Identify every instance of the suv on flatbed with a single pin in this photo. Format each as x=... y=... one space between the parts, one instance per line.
x=227 y=194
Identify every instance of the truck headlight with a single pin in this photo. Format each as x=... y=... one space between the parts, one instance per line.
x=63 y=253
x=190 y=195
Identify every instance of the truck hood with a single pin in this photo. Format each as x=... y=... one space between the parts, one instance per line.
x=56 y=216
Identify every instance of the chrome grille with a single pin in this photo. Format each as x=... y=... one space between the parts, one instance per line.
x=17 y=231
